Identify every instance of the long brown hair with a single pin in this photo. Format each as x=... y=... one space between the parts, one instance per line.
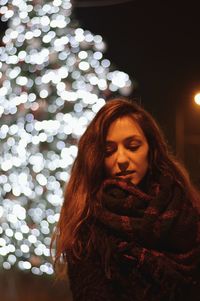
x=88 y=173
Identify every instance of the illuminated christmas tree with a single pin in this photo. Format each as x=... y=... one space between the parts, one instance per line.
x=53 y=79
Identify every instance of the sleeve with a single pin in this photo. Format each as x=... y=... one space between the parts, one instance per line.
x=87 y=280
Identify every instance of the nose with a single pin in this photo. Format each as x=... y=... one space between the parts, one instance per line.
x=123 y=166
x=122 y=160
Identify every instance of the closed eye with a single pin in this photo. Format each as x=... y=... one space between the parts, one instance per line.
x=109 y=151
x=133 y=147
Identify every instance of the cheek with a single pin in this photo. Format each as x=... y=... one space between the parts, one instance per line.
x=144 y=161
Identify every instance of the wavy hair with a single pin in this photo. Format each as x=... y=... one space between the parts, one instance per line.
x=88 y=173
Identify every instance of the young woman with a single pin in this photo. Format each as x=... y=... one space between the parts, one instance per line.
x=129 y=227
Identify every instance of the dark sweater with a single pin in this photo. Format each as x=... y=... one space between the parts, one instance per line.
x=139 y=253
x=88 y=282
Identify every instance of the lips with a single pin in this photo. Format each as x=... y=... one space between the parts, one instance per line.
x=125 y=173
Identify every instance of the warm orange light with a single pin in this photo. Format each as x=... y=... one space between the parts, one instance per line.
x=197 y=99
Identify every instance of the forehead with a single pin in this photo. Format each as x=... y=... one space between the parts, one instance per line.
x=124 y=127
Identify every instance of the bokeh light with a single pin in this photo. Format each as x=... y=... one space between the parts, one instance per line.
x=53 y=80
x=197 y=99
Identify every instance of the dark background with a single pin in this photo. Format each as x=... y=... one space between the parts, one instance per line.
x=158 y=44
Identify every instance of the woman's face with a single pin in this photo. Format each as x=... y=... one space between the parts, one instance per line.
x=126 y=150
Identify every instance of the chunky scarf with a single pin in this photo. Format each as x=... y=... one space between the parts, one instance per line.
x=149 y=241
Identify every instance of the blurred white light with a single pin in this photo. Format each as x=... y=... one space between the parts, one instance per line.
x=24 y=229
x=32 y=238
x=8 y=14
x=98 y=55
x=102 y=84
x=18 y=235
x=9 y=232
x=44 y=20
x=7 y=188
x=36 y=271
x=22 y=80
x=82 y=55
x=57 y=2
x=3 y=91
x=3 y=251
x=12 y=259
x=43 y=56
x=2 y=242
x=24 y=265
x=29 y=35
x=84 y=66
x=38 y=251
x=1 y=211
x=43 y=93
x=24 y=248
x=98 y=39
x=197 y=99
x=12 y=218
x=6 y=265
x=19 y=212
x=14 y=72
x=41 y=179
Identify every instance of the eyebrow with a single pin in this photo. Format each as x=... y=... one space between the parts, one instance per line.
x=127 y=139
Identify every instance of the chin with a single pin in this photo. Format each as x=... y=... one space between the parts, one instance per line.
x=134 y=182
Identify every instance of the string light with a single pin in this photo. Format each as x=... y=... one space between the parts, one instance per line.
x=53 y=79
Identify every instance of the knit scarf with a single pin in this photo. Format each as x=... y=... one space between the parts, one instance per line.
x=153 y=239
